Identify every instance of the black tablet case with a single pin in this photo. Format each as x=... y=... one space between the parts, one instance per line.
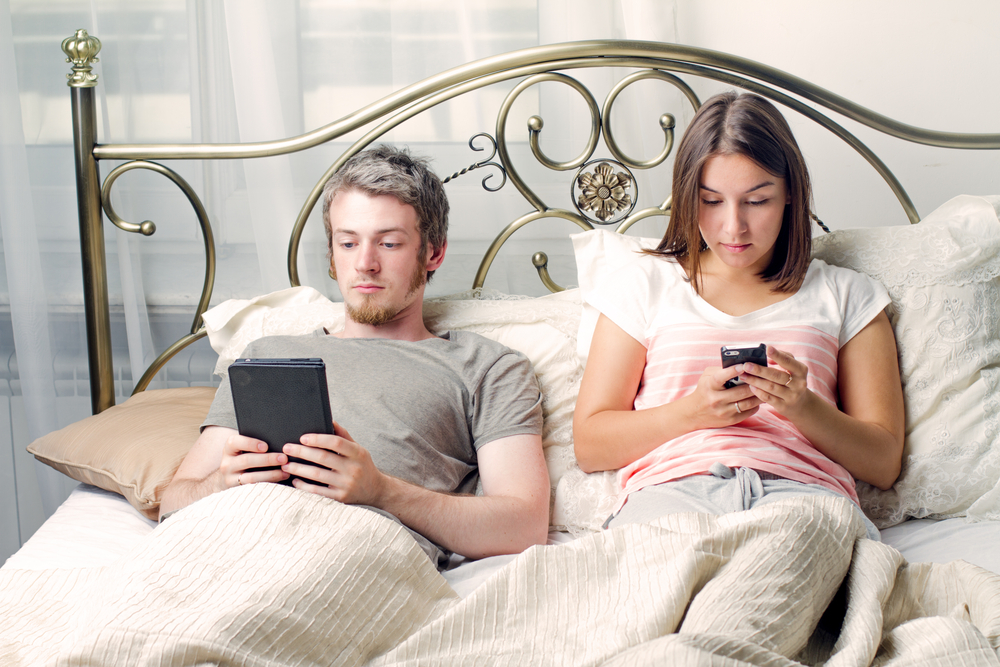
x=279 y=400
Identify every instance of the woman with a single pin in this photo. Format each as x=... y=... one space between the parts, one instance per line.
x=734 y=268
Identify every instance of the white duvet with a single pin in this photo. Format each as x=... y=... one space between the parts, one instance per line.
x=266 y=575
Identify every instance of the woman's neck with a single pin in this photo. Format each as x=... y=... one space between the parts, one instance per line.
x=735 y=291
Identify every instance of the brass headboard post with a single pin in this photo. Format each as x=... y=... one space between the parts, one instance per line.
x=82 y=50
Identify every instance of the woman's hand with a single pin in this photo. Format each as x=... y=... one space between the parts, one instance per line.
x=714 y=406
x=608 y=433
x=783 y=386
x=864 y=431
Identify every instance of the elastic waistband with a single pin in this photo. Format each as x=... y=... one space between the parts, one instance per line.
x=725 y=472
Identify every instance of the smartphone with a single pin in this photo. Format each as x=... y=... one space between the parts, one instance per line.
x=280 y=400
x=739 y=354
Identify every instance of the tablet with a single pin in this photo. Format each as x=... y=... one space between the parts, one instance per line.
x=279 y=400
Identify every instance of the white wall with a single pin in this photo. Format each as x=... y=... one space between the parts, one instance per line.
x=923 y=62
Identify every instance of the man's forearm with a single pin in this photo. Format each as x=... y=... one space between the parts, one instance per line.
x=182 y=492
x=473 y=526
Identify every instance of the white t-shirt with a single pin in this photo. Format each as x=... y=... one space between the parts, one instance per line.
x=651 y=300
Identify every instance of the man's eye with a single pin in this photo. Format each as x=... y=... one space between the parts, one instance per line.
x=347 y=245
x=390 y=244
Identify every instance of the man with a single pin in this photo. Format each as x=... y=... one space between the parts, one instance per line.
x=432 y=415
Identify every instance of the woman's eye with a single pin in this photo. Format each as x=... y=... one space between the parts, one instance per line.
x=759 y=202
x=711 y=202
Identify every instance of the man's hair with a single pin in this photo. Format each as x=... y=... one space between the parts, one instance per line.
x=741 y=124
x=386 y=170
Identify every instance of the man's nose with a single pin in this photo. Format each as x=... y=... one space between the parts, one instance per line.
x=367 y=258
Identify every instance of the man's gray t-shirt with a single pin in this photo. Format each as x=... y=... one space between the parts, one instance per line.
x=422 y=409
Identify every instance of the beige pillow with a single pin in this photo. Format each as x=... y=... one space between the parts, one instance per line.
x=133 y=448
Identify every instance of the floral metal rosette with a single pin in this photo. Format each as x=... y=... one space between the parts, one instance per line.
x=602 y=195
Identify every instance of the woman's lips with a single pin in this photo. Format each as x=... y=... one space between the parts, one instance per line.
x=733 y=247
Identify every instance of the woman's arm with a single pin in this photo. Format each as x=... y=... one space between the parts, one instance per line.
x=866 y=434
x=607 y=432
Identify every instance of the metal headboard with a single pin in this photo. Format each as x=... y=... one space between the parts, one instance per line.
x=602 y=196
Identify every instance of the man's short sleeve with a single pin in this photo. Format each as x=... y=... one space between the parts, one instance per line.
x=222 y=412
x=507 y=401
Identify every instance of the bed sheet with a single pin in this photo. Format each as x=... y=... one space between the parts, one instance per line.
x=942 y=541
x=100 y=526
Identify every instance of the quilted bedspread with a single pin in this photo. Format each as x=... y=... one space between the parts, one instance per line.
x=266 y=575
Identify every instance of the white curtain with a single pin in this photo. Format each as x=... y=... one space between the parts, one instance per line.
x=32 y=395
x=183 y=71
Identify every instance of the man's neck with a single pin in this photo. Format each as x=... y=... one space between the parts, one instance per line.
x=407 y=325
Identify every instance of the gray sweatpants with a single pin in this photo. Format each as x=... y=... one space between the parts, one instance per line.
x=725 y=490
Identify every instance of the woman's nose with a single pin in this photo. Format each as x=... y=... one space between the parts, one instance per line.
x=733 y=222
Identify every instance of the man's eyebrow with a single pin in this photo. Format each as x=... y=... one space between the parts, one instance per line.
x=756 y=187
x=387 y=230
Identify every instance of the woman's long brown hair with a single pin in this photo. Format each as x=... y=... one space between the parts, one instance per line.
x=747 y=125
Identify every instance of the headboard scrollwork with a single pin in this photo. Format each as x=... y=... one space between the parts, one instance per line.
x=603 y=188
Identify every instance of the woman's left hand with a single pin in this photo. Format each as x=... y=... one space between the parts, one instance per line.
x=782 y=385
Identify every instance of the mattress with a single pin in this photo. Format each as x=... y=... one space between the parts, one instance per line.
x=94 y=527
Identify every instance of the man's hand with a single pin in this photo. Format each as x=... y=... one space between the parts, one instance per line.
x=240 y=455
x=511 y=515
x=219 y=460
x=347 y=474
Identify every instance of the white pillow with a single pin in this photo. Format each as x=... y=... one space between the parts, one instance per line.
x=943 y=276
x=543 y=328
x=233 y=324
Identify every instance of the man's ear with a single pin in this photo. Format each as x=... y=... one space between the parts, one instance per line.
x=333 y=268
x=435 y=256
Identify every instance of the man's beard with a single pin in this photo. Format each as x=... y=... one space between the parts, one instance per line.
x=374 y=314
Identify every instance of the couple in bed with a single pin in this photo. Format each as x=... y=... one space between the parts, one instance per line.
x=418 y=416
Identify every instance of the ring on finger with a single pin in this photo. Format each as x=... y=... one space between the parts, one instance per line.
x=789 y=381
x=737 y=404
x=239 y=479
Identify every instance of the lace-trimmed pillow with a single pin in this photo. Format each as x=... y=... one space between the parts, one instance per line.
x=943 y=276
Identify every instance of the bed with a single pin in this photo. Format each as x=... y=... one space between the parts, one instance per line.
x=100 y=582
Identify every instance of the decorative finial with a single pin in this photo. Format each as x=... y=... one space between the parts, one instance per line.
x=82 y=50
